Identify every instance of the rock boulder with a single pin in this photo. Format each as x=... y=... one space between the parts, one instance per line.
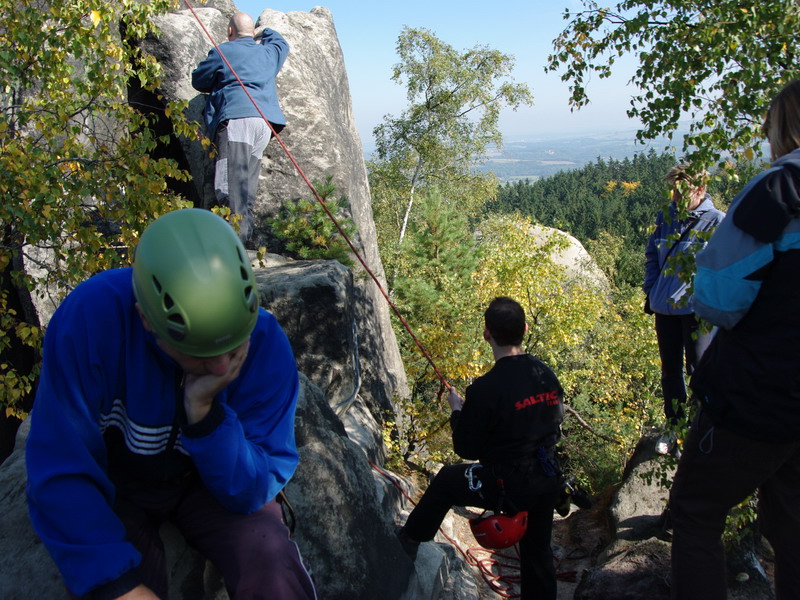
x=321 y=137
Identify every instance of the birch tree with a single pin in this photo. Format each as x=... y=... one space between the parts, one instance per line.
x=455 y=98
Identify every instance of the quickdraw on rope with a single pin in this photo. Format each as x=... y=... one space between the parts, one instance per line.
x=322 y=202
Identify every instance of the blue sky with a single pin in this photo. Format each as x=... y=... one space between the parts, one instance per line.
x=523 y=28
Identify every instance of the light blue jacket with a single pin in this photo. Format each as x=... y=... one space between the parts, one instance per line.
x=724 y=285
x=257 y=64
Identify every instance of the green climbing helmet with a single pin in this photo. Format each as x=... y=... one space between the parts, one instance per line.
x=194 y=283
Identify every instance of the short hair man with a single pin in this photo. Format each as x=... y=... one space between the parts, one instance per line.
x=166 y=393
x=509 y=422
x=232 y=120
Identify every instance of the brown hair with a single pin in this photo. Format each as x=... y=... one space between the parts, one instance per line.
x=782 y=124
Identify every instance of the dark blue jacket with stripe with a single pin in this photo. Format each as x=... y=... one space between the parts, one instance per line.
x=108 y=417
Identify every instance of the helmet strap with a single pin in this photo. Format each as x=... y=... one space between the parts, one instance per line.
x=501 y=499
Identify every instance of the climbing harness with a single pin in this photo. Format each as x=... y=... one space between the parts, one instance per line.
x=499 y=530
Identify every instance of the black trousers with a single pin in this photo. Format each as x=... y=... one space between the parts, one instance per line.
x=718 y=469
x=680 y=346
x=526 y=487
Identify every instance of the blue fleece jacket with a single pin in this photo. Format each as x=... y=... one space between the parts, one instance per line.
x=257 y=64
x=109 y=396
x=666 y=292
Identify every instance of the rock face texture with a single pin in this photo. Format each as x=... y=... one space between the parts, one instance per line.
x=321 y=137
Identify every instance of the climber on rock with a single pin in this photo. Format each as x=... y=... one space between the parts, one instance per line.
x=238 y=129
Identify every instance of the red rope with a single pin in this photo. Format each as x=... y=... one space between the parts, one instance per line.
x=322 y=203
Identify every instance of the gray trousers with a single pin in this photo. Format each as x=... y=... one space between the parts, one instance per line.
x=240 y=147
x=717 y=470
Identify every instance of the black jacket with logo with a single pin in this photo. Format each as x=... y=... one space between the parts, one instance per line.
x=509 y=412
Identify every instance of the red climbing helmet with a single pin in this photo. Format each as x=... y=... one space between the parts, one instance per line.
x=496 y=532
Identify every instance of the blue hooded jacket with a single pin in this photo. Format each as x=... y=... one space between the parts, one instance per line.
x=109 y=413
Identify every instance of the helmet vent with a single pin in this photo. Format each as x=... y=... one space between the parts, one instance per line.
x=169 y=302
x=250 y=298
x=244 y=274
x=176 y=327
x=157 y=284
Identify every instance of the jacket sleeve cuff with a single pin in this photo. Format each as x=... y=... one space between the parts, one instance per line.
x=205 y=426
x=114 y=589
x=454 y=418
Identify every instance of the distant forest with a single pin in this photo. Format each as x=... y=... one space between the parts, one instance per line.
x=609 y=205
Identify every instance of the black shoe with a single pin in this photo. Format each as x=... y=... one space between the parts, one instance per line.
x=410 y=546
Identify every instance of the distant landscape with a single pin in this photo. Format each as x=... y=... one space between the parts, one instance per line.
x=533 y=158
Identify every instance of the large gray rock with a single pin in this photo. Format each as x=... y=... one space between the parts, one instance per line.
x=570 y=254
x=23 y=558
x=322 y=137
x=639 y=504
x=342 y=531
x=314 y=302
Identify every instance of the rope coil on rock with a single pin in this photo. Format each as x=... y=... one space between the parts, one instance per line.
x=322 y=203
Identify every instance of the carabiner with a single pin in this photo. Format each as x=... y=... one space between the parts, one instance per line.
x=474 y=483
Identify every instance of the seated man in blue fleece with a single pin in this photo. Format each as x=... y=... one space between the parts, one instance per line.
x=167 y=394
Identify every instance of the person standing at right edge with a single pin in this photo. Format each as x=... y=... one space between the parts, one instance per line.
x=679 y=340
x=747 y=434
